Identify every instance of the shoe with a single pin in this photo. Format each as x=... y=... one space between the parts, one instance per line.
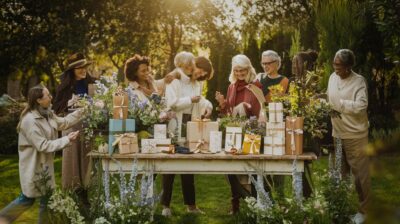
x=166 y=212
x=195 y=211
x=358 y=218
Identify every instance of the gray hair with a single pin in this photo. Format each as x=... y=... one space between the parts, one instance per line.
x=183 y=59
x=346 y=56
x=272 y=54
x=242 y=61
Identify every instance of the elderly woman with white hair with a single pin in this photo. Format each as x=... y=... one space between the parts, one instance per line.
x=239 y=95
x=183 y=95
x=271 y=63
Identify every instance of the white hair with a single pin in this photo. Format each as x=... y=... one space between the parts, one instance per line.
x=272 y=54
x=183 y=59
x=242 y=61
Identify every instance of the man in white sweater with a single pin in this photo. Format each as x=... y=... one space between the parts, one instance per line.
x=347 y=94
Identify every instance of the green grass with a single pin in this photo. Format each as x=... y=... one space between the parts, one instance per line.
x=213 y=192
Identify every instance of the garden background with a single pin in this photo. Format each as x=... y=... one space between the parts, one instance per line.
x=36 y=37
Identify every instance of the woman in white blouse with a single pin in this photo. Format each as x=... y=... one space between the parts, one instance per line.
x=183 y=95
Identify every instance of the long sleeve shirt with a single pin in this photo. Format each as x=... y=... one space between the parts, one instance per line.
x=349 y=96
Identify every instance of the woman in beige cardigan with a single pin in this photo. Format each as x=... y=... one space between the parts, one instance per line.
x=37 y=142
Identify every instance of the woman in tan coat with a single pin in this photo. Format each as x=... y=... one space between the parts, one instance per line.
x=37 y=142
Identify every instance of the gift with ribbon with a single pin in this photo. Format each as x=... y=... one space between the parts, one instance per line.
x=233 y=138
x=294 y=135
x=275 y=112
x=160 y=131
x=148 y=146
x=127 y=143
x=215 y=141
x=198 y=134
x=251 y=144
x=120 y=104
x=274 y=145
x=117 y=126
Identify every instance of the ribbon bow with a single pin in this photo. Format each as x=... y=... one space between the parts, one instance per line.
x=199 y=146
x=292 y=132
x=121 y=112
x=253 y=139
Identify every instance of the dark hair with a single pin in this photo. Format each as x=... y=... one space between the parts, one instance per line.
x=346 y=56
x=132 y=66
x=205 y=64
x=34 y=94
x=67 y=86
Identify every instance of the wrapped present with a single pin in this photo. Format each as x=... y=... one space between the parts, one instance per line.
x=233 y=138
x=198 y=134
x=162 y=144
x=117 y=126
x=274 y=145
x=120 y=104
x=294 y=135
x=149 y=146
x=127 y=143
x=215 y=141
x=91 y=89
x=275 y=129
x=160 y=131
x=251 y=144
x=275 y=111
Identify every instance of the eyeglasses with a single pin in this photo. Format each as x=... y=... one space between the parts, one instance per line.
x=267 y=63
x=337 y=65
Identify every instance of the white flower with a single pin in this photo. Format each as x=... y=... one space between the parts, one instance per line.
x=99 y=104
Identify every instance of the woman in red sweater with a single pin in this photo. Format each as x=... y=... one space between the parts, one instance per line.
x=240 y=100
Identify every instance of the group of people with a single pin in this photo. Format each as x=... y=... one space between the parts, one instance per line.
x=181 y=88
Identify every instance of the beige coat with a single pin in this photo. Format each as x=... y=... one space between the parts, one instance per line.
x=37 y=142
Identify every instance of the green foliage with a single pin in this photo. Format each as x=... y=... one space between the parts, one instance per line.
x=9 y=117
x=295 y=47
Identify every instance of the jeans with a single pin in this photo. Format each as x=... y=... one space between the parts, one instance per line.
x=22 y=203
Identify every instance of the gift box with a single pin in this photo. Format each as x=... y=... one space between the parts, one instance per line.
x=275 y=111
x=233 y=138
x=275 y=129
x=120 y=105
x=162 y=144
x=160 y=131
x=127 y=143
x=251 y=144
x=274 y=145
x=198 y=134
x=91 y=89
x=215 y=141
x=117 y=126
x=294 y=135
x=149 y=145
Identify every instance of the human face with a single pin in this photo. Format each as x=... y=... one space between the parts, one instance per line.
x=188 y=69
x=340 y=69
x=240 y=73
x=143 y=72
x=269 y=65
x=198 y=73
x=80 y=73
x=45 y=101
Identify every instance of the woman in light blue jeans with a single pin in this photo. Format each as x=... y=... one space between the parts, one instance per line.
x=37 y=142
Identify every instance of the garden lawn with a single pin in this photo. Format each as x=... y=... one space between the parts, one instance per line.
x=213 y=193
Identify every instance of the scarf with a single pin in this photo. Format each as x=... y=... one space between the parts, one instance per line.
x=45 y=112
x=239 y=86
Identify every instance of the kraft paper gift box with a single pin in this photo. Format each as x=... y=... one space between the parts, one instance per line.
x=149 y=146
x=127 y=143
x=160 y=131
x=198 y=134
x=275 y=129
x=275 y=111
x=233 y=138
x=294 y=135
x=117 y=126
x=251 y=144
x=120 y=105
x=162 y=144
x=274 y=145
x=215 y=141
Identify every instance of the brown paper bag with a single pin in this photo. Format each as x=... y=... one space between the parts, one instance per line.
x=294 y=135
x=198 y=134
x=120 y=106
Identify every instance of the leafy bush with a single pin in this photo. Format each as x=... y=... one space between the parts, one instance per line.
x=9 y=118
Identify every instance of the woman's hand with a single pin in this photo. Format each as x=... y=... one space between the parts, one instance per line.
x=73 y=135
x=195 y=99
x=219 y=97
x=169 y=78
x=207 y=113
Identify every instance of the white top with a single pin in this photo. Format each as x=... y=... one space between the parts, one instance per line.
x=349 y=97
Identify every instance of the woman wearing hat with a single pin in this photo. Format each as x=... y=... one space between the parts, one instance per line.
x=75 y=164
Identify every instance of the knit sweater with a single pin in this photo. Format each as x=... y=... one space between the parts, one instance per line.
x=349 y=97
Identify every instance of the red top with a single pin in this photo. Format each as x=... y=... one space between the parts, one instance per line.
x=238 y=93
